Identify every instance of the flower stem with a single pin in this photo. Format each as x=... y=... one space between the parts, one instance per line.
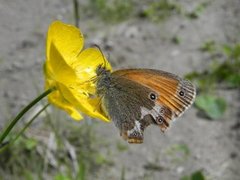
x=22 y=112
x=5 y=145
x=76 y=12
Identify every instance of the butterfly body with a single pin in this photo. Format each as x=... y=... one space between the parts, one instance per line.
x=135 y=98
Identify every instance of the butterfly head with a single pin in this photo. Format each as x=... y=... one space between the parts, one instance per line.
x=101 y=70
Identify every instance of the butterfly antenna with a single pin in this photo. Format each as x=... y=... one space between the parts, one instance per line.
x=105 y=61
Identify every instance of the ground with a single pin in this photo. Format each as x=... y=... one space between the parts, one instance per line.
x=133 y=43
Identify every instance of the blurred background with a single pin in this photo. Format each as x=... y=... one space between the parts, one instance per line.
x=199 y=40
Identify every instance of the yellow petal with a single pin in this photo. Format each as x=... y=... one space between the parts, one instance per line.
x=57 y=67
x=58 y=100
x=82 y=102
x=67 y=38
x=88 y=61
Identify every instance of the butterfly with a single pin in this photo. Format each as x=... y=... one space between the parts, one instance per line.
x=136 y=98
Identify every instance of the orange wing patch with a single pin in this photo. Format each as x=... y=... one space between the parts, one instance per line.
x=175 y=94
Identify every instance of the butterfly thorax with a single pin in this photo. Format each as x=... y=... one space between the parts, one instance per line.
x=104 y=79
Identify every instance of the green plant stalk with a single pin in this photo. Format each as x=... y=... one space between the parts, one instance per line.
x=22 y=112
x=23 y=129
x=76 y=12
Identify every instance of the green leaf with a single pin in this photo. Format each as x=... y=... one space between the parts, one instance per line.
x=175 y=40
x=193 y=75
x=208 y=46
x=236 y=51
x=160 y=10
x=61 y=177
x=213 y=107
x=31 y=143
x=227 y=50
x=198 y=175
x=178 y=152
x=181 y=148
x=197 y=11
x=185 y=178
x=81 y=172
x=121 y=146
x=28 y=175
x=234 y=80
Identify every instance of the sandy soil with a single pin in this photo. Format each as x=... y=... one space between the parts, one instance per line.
x=214 y=145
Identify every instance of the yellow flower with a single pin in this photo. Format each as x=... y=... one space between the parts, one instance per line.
x=70 y=70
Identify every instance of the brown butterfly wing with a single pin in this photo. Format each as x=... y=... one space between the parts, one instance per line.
x=174 y=94
x=123 y=101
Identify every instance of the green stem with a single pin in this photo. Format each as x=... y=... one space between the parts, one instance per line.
x=76 y=12
x=4 y=146
x=21 y=113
